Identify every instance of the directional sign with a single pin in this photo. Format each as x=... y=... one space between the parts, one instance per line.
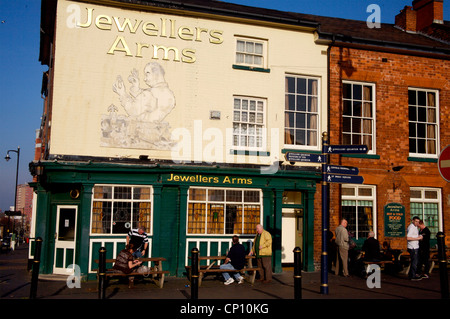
x=304 y=157
x=335 y=169
x=13 y=213
x=346 y=149
x=345 y=179
x=444 y=163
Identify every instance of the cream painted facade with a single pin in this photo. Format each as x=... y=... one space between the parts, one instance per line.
x=96 y=44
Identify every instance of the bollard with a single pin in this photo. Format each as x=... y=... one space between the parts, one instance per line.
x=36 y=264
x=297 y=273
x=194 y=274
x=101 y=272
x=442 y=265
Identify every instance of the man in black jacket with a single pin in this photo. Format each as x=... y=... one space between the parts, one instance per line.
x=235 y=260
x=424 y=250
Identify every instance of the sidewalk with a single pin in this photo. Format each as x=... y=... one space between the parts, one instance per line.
x=15 y=284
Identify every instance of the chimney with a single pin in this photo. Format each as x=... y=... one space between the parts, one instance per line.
x=421 y=15
x=406 y=19
x=428 y=12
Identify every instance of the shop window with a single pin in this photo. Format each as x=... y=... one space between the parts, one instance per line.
x=358 y=114
x=248 y=123
x=301 y=112
x=357 y=207
x=426 y=203
x=423 y=122
x=116 y=209
x=223 y=211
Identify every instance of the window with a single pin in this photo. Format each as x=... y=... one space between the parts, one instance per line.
x=248 y=123
x=223 y=211
x=357 y=206
x=116 y=209
x=251 y=52
x=358 y=115
x=426 y=203
x=423 y=122
x=301 y=111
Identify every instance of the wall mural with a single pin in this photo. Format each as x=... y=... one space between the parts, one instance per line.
x=143 y=126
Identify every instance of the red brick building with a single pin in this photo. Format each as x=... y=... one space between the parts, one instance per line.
x=389 y=89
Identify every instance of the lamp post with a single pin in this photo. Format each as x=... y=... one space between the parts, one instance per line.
x=7 y=158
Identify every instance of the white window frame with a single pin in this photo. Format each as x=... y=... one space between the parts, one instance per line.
x=437 y=132
x=356 y=197
x=245 y=121
x=262 y=55
x=151 y=201
x=318 y=113
x=372 y=148
x=424 y=200
x=225 y=202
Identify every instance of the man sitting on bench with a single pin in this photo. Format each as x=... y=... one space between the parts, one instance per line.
x=235 y=261
x=371 y=248
x=126 y=263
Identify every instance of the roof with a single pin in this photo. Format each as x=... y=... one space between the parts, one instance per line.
x=344 y=31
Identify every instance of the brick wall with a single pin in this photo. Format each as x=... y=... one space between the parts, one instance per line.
x=392 y=75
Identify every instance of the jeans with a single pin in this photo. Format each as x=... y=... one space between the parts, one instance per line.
x=226 y=275
x=414 y=253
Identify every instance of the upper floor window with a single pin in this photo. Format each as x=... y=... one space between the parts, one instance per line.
x=251 y=52
x=248 y=123
x=358 y=115
x=423 y=122
x=301 y=111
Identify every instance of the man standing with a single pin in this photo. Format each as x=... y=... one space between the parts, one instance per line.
x=342 y=248
x=235 y=260
x=139 y=239
x=424 y=250
x=413 y=238
x=262 y=248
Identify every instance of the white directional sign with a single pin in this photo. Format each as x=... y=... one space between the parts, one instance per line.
x=345 y=179
x=346 y=149
x=348 y=170
x=304 y=157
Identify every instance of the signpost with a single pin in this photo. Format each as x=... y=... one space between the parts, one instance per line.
x=330 y=174
x=444 y=163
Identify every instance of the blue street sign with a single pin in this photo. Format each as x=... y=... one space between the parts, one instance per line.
x=350 y=179
x=335 y=169
x=304 y=157
x=346 y=149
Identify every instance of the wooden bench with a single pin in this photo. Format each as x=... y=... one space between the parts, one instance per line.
x=155 y=273
x=249 y=271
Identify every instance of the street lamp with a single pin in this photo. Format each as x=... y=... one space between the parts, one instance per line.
x=7 y=158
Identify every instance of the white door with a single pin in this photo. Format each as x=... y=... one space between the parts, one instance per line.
x=292 y=233
x=65 y=238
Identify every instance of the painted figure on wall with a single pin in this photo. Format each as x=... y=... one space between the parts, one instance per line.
x=146 y=109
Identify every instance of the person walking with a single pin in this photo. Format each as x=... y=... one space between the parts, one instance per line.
x=412 y=238
x=262 y=248
x=342 y=248
x=424 y=250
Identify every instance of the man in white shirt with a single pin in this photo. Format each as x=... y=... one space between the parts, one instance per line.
x=413 y=238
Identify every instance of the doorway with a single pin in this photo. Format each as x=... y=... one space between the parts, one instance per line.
x=65 y=238
x=292 y=233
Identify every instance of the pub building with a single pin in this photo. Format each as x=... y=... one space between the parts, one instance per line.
x=179 y=116
x=176 y=117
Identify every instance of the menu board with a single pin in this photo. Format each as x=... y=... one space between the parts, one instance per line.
x=394 y=220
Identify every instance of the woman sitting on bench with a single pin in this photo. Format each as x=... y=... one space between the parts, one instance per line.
x=126 y=263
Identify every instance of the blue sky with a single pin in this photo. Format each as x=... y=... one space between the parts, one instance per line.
x=20 y=80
